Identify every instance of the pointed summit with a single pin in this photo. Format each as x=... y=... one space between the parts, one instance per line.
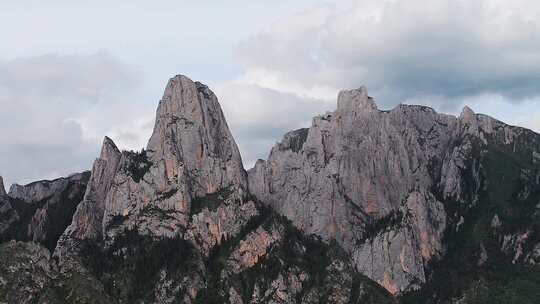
x=191 y=137
x=2 y=189
x=108 y=149
x=467 y=115
x=355 y=100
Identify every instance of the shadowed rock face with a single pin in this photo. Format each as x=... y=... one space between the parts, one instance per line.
x=41 y=211
x=378 y=181
x=7 y=214
x=2 y=189
x=87 y=220
x=37 y=191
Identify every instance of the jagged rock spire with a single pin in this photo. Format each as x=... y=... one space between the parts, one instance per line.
x=108 y=149
x=191 y=130
x=190 y=154
x=87 y=220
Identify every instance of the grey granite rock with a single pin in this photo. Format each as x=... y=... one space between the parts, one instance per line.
x=367 y=179
x=87 y=220
x=191 y=154
x=191 y=133
x=8 y=217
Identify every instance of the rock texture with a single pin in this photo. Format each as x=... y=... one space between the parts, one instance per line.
x=7 y=214
x=175 y=222
x=28 y=276
x=2 y=189
x=364 y=204
x=191 y=154
x=41 y=211
x=379 y=182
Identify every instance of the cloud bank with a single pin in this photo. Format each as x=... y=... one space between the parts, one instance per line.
x=442 y=53
x=402 y=49
x=56 y=109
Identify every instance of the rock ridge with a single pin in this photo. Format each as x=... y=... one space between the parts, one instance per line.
x=379 y=182
x=191 y=154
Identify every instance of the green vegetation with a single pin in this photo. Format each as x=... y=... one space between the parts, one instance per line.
x=130 y=268
x=375 y=226
x=295 y=252
x=167 y=194
x=211 y=201
x=155 y=211
x=459 y=274
x=215 y=293
x=138 y=164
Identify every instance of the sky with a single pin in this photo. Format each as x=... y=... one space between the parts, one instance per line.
x=72 y=72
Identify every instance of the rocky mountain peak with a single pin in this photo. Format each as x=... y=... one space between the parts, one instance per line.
x=2 y=189
x=467 y=115
x=108 y=149
x=355 y=100
x=191 y=154
x=191 y=130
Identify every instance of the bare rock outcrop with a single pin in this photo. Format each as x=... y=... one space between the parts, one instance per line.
x=41 y=190
x=191 y=154
x=87 y=220
x=192 y=142
x=377 y=181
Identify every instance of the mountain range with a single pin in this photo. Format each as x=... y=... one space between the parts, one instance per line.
x=364 y=206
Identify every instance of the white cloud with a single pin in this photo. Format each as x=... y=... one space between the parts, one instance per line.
x=441 y=53
x=258 y=116
x=401 y=49
x=56 y=110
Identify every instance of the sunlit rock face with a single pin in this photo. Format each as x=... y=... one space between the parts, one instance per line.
x=191 y=133
x=190 y=154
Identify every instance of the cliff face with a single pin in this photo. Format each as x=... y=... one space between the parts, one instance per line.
x=382 y=183
x=191 y=154
x=42 y=210
x=363 y=204
x=175 y=222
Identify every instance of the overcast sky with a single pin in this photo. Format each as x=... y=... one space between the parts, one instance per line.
x=71 y=73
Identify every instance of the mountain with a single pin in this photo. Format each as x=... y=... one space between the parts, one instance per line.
x=40 y=211
x=403 y=190
x=364 y=206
